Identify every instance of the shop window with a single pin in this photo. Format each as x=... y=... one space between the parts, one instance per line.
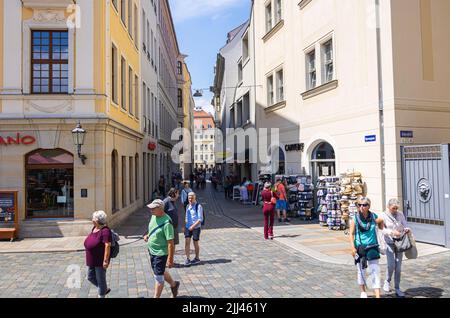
x=49 y=184
x=130 y=179
x=124 y=182
x=136 y=176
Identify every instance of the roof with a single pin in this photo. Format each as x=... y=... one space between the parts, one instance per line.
x=202 y=114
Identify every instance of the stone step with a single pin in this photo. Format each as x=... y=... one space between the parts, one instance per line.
x=54 y=228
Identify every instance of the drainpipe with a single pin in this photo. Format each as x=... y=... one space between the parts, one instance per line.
x=381 y=106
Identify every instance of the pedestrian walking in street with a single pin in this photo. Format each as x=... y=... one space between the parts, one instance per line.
x=365 y=247
x=184 y=195
x=171 y=210
x=395 y=228
x=162 y=187
x=269 y=198
x=194 y=219
x=161 y=247
x=98 y=250
x=281 y=201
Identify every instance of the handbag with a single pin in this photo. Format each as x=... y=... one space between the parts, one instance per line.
x=412 y=253
x=403 y=244
x=381 y=242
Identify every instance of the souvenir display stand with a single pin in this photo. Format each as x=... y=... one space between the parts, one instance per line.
x=329 y=196
x=352 y=188
x=305 y=198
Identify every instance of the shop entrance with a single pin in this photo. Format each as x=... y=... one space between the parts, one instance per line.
x=49 y=184
x=323 y=161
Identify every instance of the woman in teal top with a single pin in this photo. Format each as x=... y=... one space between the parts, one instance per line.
x=365 y=246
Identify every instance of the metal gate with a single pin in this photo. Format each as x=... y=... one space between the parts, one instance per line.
x=426 y=192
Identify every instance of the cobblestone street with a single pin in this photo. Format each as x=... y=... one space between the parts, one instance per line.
x=236 y=262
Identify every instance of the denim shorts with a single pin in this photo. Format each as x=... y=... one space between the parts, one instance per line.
x=158 y=264
x=281 y=205
x=195 y=234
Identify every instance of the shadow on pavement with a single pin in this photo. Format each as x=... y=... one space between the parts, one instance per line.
x=424 y=292
x=287 y=236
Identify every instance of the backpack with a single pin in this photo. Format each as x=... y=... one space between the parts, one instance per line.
x=115 y=247
x=204 y=214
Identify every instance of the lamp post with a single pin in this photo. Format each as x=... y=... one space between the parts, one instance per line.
x=79 y=135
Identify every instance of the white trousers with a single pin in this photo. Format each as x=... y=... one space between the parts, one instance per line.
x=374 y=274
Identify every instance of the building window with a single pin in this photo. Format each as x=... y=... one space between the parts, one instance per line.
x=136 y=20
x=136 y=176
x=130 y=18
x=196 y=147
x=123 y=83
x=180 y=98
x=270 y=92
x=144 y=106
x=246 y=108
x=212 y=148
x=123 y=13
x=232 y=119
x=239 y=113
x=114 y=184
x=327 y=62
x=180 y=68
x=144 y=32
x=280 y=86
x=311 y=70
x=50 y=62
x=212 y=157
x=115 y=3
x=245 y=50
x=278 y=11
x=136 y=96
x=130 y=90
x=114 y=74
x=240 y=72
x=268 y=17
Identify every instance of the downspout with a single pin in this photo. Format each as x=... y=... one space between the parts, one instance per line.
x=252 y=21
x=381 y=106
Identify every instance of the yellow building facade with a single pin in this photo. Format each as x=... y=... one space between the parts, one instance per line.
x=75 y=64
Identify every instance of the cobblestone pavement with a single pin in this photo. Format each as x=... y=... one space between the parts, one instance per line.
x=236 y=262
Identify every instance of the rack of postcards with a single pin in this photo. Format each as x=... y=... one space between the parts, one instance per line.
x=328 y=202
x=305 y=197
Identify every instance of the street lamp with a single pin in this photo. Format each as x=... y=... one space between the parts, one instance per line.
x=78 y=135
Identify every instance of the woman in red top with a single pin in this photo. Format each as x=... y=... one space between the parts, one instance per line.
x=268 y=210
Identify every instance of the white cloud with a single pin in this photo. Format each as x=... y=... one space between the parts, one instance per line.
x=205 y=104
x=187 y=9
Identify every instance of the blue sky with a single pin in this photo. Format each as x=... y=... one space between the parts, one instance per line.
x=202 y=27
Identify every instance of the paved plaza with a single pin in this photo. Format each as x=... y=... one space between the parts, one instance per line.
x=236 y=262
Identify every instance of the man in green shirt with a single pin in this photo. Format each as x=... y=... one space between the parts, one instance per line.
x=161 y=247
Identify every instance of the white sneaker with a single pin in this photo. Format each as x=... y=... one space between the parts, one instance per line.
x=399 y=293
x=363 y=295
x=387 y=287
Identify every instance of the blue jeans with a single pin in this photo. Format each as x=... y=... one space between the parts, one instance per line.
x=97 y=276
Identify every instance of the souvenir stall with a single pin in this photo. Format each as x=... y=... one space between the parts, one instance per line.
x=305 y=197
x=352 y=188
x=328 y=202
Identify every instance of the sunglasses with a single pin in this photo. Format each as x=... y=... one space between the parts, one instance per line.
x=363 y=205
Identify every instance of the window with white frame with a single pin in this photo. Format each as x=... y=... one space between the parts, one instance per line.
x=268 y=17
x=327 y=62
x=278 y=11
x=270 y=91
x=311 y=76
x=280 y=86
x=245 y=50
x=240 y=72
x=144 y=32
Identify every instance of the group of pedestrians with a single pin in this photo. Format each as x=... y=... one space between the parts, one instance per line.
x=161 y=239
x=365 y=244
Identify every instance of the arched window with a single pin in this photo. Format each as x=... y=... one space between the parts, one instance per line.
x=323 y=151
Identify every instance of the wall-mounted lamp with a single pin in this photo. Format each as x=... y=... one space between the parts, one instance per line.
x=78 y=135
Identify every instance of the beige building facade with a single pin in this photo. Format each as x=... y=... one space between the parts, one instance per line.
x=343 y=92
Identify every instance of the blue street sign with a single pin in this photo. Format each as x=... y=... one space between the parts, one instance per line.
x=371 y=138
x=406 y=134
